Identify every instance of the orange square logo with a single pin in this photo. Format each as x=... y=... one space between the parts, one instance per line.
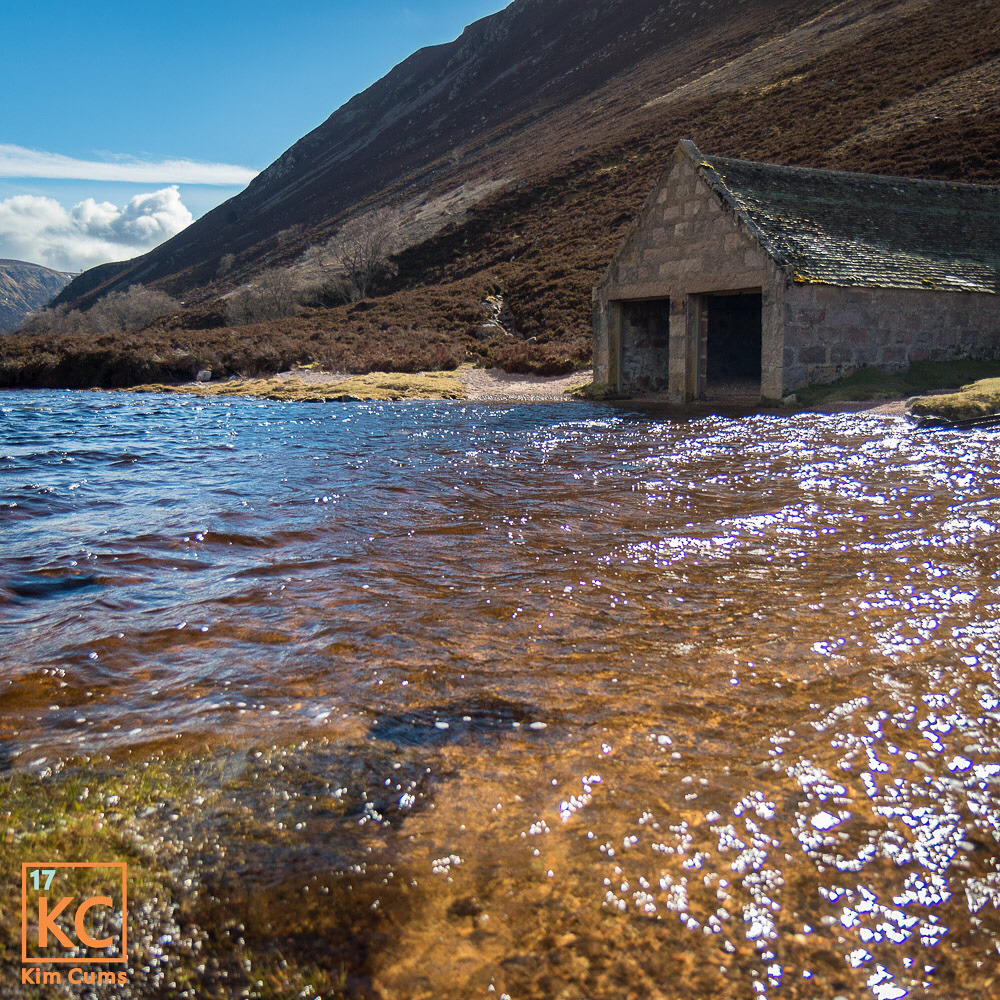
x=74 y=912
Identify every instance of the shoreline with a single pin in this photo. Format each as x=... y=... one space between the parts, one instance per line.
x=466 y=384
x=481 y=385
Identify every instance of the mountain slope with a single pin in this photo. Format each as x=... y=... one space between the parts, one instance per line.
x=522 y=87
x=25 y=288
x=521 y=150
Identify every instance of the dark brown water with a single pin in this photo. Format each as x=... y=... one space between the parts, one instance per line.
x=544 y=701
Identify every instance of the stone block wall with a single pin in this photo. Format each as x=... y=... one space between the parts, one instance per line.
x=688 y=243
x=684 y=243
x=830 y=332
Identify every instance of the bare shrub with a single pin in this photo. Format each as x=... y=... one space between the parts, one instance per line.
x=56 y=320
x=126 y=312
x=536 y=359
x=364 y=246
x=274 y=295
x=328 y=291
x=226 y=262
x=290 y=234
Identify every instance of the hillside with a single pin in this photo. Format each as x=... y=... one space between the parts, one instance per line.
x=520 y=151
x=24 y=288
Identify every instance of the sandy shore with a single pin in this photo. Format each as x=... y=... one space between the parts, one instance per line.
x=892 y=407
x=494 y=385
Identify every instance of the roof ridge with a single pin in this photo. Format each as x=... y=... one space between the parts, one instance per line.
x=722 y=189
x=835 y=174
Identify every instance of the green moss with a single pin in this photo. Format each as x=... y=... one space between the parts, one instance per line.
x=979 y=399
x=76 y=815
x=593 y=390
x=85 y=813
x=921 y=377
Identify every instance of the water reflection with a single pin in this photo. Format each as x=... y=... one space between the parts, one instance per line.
x=548 y=701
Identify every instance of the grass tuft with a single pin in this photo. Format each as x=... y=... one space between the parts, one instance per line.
x=979 y=399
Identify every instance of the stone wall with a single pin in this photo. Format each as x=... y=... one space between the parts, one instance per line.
x=685 y=242
x=830 y=332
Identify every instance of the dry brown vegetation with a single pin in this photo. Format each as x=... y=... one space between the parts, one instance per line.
x=426 y=329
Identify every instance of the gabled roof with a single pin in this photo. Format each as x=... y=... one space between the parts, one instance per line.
x=838 y=228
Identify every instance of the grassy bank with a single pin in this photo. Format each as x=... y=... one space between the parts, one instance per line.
x=979 y=399
x=920 y=378
x=417 y=330
x=358 y=388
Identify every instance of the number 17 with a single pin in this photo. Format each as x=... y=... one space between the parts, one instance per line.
x=38 y=874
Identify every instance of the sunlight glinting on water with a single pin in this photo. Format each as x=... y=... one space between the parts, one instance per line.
x=576 y=697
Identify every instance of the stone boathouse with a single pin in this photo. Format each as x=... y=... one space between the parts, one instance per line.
x=750 y=277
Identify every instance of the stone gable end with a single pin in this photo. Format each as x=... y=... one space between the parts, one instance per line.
x=686 y=241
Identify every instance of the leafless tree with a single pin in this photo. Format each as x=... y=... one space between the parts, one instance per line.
x=117 y=312
x=226 y=262
x=274 y=295
x=329 y=289
x=364 y=246
x=126 y=312
x=290 y=234
x=54 y=320
x=45 y=320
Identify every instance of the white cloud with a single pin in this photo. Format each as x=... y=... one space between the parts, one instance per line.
x=16 y=161
x=41 y=230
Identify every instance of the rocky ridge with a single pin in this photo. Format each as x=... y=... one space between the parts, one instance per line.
x=24 y=288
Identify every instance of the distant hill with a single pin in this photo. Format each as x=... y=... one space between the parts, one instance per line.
x=24 y=288
x=520 y=151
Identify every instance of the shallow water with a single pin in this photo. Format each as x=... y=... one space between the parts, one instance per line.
x=551 y=701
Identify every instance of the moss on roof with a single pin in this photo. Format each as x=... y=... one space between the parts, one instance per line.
x=866 y=230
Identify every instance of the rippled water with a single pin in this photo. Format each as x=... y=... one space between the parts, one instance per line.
x=545 y=701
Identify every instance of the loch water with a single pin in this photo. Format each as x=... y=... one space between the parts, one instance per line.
x=566 y=701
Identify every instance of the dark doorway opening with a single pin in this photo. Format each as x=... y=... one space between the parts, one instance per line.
x=645 y=357
x=735 y=339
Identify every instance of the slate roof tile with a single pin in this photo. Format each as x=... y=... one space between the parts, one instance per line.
x=838 y=228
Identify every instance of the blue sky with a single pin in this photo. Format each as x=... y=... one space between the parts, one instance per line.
x=107 y=103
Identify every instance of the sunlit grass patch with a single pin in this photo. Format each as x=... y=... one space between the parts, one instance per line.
x=979 y=399
x=594 y=391
x=374 y=386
